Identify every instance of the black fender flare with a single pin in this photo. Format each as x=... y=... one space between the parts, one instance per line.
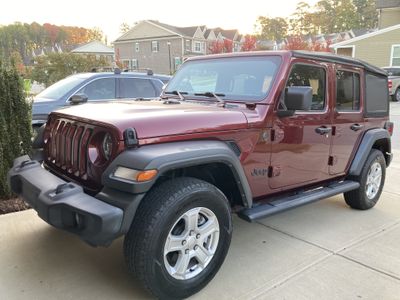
x=175 y=155
x=367 y=142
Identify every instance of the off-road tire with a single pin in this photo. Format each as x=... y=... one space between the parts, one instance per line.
x=358 y=198
x=155 y=217
x=396 y=95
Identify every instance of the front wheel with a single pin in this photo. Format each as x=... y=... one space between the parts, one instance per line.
x=179 y=237
x=371 y=179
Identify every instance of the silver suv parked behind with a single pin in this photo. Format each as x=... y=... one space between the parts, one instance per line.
x=100 y=86
x=394 y=82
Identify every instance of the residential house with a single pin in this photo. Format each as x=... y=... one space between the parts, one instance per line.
x=389 y=12
x=57 y=48
x=323 y=40
x=163 y=47
x=267 y=45
x=96 y=48
x=380 y=47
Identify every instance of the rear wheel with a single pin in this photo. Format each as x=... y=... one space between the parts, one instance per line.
x=371 y=179
x=396 y=96
x=179 y=237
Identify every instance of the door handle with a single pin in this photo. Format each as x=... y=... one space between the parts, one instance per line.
x=356 y=127
x=323 y=130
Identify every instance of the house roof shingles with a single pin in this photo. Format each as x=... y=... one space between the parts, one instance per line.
x=366 y=35
x=94 y=47
x=190 y=31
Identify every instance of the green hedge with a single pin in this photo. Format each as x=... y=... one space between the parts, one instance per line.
x=15 y=123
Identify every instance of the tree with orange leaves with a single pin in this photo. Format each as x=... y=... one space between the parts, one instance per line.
x=249 y=43
x=225 y=46
x=298 y=43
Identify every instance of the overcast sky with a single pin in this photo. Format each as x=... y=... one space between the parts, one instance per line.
x=108 y=15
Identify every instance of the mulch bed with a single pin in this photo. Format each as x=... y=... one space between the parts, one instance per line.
x=12 y=205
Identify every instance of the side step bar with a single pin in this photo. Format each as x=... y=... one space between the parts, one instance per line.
x=289 y=202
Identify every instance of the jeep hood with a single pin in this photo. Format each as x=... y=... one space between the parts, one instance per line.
x=155 y=119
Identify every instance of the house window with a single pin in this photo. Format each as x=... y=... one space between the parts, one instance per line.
x=125 y=64
x=235 y=47
x=395 y=60
x=187 y=45
x=155 y=47
x=135 y=64
x=347 y=91
x=137 y=47
x=198 y=47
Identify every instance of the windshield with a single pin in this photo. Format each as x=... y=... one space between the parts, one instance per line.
x=236 y=78
x=60 y=88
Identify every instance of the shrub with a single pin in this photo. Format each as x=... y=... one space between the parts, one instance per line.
x=15 y=123
x=53 y=67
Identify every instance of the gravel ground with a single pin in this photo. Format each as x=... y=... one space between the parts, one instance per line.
x=12 y=205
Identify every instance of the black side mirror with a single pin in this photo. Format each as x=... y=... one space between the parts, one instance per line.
x=78 y=98
x=296 y=98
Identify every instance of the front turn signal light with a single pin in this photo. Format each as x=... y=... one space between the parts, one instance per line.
x=146 y=175
x=135 y=175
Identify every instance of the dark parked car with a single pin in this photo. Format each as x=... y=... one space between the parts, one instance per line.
x=251 y=133
x=96 y=87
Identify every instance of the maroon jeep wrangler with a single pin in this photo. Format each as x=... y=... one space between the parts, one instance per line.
x=253 y=133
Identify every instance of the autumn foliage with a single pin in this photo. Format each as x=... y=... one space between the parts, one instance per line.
x=224 y=46
x=249 y=43
x=26 y=38
x=299 y=43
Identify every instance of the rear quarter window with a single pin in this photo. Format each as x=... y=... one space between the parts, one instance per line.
x=377 y=95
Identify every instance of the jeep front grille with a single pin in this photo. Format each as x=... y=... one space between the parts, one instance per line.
x=67 y=147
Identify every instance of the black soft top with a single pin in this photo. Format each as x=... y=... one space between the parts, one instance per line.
x=326 y=56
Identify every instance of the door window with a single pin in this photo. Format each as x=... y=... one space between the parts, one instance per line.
x=136 y=88
x=99 y=89
x=312 y=76
x=347 y=91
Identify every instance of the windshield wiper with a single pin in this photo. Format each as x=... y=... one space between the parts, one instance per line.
x=178 y=93
x=217 y=96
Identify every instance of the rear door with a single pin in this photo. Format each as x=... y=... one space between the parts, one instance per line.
x=130 y=88
x=348 y=119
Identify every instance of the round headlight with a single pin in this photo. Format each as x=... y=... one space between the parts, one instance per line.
x=107 y=146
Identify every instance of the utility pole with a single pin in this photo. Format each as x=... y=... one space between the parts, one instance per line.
x=169 y=57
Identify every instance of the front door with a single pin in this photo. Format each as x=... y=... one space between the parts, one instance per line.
x=301 y=147
x=348 y=120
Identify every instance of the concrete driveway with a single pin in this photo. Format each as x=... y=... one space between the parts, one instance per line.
x=321 y=251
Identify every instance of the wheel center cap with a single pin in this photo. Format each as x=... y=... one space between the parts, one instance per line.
x=191 y=241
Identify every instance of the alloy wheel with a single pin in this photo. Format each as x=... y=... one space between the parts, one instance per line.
x=191 y=243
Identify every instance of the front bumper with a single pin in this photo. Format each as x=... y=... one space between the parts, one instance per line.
x=65 y=205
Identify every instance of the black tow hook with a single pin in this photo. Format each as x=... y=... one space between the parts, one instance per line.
x=26 y=163
x=62 y=187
